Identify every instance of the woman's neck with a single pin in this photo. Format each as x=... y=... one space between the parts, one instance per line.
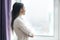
x=21 y=16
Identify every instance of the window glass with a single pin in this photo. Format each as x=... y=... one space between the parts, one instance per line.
x=40 y=14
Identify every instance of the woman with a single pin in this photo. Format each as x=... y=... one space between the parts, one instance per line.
x=18 y=24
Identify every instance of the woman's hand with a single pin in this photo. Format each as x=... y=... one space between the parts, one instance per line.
x=31 y=35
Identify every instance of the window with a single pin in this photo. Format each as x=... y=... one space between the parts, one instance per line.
x=40 y=13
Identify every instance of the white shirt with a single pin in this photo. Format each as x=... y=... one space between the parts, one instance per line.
x=21 y=28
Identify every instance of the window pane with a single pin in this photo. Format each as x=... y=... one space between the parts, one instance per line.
x=40 y=13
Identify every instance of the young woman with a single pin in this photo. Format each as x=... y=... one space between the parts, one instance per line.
x=18 y=24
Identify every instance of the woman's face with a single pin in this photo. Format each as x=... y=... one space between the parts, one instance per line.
x=22 y=11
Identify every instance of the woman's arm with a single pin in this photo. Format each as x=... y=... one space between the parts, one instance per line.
x=23 y=28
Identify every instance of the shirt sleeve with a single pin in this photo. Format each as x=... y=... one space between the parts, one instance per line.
x=21 y=25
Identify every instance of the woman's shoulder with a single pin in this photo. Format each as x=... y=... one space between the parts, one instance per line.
x=18 y=19
x=18 y=22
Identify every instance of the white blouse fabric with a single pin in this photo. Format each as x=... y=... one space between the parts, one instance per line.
x=22 y=28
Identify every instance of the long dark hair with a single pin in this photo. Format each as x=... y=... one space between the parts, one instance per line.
x=15 y=12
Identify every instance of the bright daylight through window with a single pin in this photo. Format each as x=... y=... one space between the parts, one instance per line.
x=40 y=13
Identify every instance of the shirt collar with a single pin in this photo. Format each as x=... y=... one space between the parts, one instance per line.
x=21 y=17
